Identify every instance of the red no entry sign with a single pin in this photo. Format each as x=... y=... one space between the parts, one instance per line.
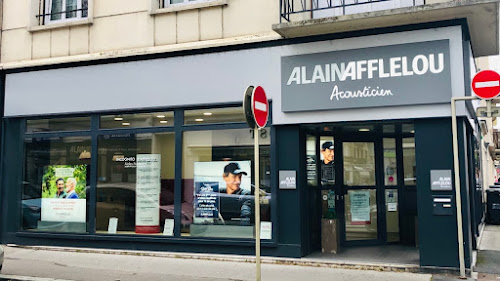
x=260 y=106
x=486 y=84
x=256 y=106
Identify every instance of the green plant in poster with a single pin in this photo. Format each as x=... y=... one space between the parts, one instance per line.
x=62 y=177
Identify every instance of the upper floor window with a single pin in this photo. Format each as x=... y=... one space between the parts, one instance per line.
x=59 y=10
x=168 y=3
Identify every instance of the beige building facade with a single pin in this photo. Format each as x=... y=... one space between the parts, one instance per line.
x=116 y=28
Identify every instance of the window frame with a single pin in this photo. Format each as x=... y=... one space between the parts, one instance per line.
x=48 y=11
x=39 y=19
x=158 y=7
x=167 y=4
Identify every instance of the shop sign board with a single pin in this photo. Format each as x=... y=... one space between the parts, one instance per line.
x=441 y=180
x=288 y=179
x=414 y=73
x=486 y=84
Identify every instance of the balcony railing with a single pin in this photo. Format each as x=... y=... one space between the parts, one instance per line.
x=295 y=10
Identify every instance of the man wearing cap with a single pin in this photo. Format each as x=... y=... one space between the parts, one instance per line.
x=236 y=204
x=327 y=165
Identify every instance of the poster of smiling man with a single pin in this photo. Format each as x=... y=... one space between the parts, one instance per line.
x=64 y=193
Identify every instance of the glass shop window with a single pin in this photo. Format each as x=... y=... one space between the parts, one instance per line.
x=409 y=161
x=137 y=120
x=135 y=184
x=218 y=184
x=214 y=115
x=58 y=124
x=56 y=184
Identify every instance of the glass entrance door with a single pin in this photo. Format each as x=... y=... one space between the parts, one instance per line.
x=362 y=176
x=360 y=189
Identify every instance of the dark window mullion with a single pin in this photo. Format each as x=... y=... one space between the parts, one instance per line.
x=178 y=121
x=93 y=176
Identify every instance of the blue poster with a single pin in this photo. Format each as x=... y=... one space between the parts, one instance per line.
x=206 y=199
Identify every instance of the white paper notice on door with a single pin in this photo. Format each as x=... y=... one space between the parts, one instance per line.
x=392 y=207
x=360 y=206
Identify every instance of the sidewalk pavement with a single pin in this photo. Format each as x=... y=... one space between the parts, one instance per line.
x=488 y=255
x=38 y=263
x=96 y=264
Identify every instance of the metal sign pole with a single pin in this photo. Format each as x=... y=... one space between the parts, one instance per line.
x=257 y=203
x=456 y=167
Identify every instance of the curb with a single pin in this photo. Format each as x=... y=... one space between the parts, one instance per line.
x=27 y=278
x=237 y=258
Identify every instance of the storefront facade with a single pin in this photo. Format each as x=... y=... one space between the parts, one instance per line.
x=149 y=149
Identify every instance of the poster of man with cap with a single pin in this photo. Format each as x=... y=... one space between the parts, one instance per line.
x=327 y=163
x=235 y=202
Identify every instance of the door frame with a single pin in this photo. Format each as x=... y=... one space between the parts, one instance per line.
x=376 y=139
x=377 y=136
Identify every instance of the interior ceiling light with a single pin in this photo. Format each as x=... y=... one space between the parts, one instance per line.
x=364 y=130
x=198 y=119
x=412 y=131
x=160 y=116
x=163 y=121
x=207 y=113
x=118 y=118
x=126 y=123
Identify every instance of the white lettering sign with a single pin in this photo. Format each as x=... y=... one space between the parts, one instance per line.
x=367 y=69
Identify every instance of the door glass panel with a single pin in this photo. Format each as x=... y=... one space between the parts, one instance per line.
x=312 y=178
x=361 y=214
x=409 y=162
x=390 y=171
x=359 y=163
x=327 y=160
x=392 y=215
x=389 y=129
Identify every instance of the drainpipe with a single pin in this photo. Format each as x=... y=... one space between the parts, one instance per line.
x=456 y=167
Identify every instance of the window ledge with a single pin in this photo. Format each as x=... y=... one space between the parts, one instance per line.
x=189 y=7
x=62 y=24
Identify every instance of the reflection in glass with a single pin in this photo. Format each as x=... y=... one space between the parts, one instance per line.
x=214 y=115
x=135 y=187
x=217 y=177
x=409 y=161
x=361 y=214
x=359 y=163
x=55 y=186
x=390 y=169
x=408 y=128
x=137 y=120
x=58 y=124
x=389 y=129
x=312 y=178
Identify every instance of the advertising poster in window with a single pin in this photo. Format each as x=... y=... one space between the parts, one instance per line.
x=64 y=193
x=148 y=188
x=327 y=161
x=232 y=204
x=360 y=206
x=206 y=199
